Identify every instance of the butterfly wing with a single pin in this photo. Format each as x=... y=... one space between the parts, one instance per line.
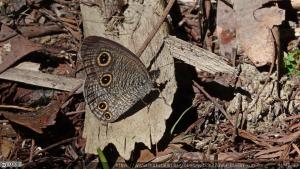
x=116 y=78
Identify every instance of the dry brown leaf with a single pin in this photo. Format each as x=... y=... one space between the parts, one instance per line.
x=296 y=148
x=229 y=156
x=293 y=117
x=13 y=47
x=145 y=156
x=272 y=155
x=193 y=156
x=285 y=153
x=148 y=156
x=183 y=138
x=294 y=126
x=163 y=158
x=5 y=147
x=295 y=4
x=287 y=138
x=36 y=120
x=39 y=30
x=252 y=137
x=254 y=26
x=270 y=150
x=226 y=28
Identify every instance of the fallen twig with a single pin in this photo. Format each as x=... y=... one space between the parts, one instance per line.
x=155 y=29
x=54 y=145
x=228 y=117
x=16 y=107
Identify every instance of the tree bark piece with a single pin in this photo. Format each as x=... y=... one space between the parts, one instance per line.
x=41 y=79
x=148 y=125
x=199 y=58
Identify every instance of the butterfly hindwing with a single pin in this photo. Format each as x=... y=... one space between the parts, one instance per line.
x=116 y=78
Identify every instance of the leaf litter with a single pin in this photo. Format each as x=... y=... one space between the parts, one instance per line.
x=49 y=34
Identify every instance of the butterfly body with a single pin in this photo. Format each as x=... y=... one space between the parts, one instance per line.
x=116 y=78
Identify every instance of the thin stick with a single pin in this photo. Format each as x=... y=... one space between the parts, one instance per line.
x=54 y=145
x=155 y=29
x=16 y=107
x=182 y=114
x=215 y=103
x=264 y=85
x=74 y=112
x=31 y=150
x=196 y=123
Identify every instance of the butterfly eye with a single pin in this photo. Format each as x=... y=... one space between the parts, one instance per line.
x=103 y=106
x=107 y=115
x=103 y=59
x=105 y=79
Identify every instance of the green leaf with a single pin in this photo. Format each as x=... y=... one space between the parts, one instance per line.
x=102 y=159
x=287 y=63
x=290 y=58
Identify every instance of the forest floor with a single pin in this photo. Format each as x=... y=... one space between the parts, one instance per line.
x=250 y=119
